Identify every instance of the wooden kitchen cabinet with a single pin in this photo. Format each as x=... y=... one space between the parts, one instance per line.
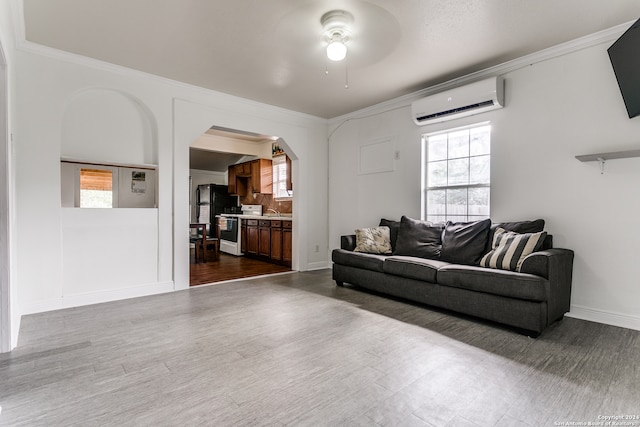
x=231 y=178
x=281 y=242
x=243 y=169
x=251 y=177
x=262 y=176
x=267 y=239
x=287 y=245
x=243 y=236
x=264 y=238
x=253 y=237
x=276 y=240
x=237 y=185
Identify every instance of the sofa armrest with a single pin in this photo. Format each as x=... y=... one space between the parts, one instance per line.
x=555 y=265
x=348 y=242
x=541 y=262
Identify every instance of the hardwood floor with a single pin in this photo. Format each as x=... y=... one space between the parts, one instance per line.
x=296 y=350
x=229 y=267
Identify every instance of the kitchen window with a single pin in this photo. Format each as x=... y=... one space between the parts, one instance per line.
x=282 y=177
x=457 y=174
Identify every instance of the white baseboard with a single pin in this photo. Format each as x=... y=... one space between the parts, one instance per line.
x=77 y=300
x=318 y=265
x=606 y=317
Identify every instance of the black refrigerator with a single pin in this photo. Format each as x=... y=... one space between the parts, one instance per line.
x=211 y=200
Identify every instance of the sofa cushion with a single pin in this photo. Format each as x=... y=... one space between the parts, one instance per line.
x=358 y=259
x=465 y=242
x=413 y=268
x=394 y=227
x=419 y=238
x=510 y=249
x=373 y=240
x=498 y=282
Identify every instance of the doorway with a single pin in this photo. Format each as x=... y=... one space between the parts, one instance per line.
x=213 y=159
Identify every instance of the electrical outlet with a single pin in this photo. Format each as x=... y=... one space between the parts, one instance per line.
x=317 y=248
x=397 y=155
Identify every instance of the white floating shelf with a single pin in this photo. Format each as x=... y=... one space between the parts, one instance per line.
x=608 y=156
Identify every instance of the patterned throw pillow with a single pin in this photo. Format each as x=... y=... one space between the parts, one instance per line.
x=510 y=249
x=374 y=240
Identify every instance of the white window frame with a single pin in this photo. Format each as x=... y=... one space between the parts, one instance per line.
x=426 y=187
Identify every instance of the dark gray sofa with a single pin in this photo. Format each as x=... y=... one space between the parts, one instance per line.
x=529 y=300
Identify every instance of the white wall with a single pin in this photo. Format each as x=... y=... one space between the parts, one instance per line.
x=555 y=109
x=9 y=312
x=165 y=118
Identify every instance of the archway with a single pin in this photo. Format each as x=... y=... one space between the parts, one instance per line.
x=220 y=183
x=191 y=120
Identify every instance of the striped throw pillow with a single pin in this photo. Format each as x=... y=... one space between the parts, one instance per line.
x=509 y=249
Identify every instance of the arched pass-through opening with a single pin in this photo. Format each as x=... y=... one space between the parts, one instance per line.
x=191 y=120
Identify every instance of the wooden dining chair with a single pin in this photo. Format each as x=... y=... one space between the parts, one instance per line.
x=212 y=243
x=197 y=245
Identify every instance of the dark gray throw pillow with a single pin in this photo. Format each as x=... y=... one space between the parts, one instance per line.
x=419 y=238
x=394 y=227
x=534 y=226
x=465 y=242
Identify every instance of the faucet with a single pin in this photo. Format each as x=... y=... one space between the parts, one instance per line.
x=274 y=211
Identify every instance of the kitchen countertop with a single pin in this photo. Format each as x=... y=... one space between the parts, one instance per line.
x=269 y=217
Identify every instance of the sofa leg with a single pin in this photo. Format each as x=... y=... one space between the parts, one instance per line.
x=339 y=283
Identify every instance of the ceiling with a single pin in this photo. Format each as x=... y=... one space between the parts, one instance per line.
x=273 y=51
x=208 y=156
x=207 y=160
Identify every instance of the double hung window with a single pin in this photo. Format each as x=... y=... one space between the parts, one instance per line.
x=457 y=174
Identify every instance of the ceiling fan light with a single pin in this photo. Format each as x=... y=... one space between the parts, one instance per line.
x=336 y=50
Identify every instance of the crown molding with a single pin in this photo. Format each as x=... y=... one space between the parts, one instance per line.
x=562 y=49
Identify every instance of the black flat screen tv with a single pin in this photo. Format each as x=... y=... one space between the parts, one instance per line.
x=625 y=59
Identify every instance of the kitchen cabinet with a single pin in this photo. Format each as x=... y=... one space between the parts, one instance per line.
x=251 y=177
x=262 y=176
x=264 y=238
x=281 y=242
x=287 y=246
x=253 y=237
x=276 y=240
x=267 y=239
x=237 y=184
x=243 y=236
x=243 y=169
x=231 y=179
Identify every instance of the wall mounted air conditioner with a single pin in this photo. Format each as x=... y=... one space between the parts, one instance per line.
x=474 y=98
